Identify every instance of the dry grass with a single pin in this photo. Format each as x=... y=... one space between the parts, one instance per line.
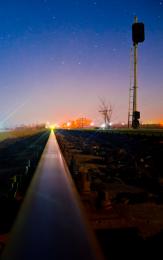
x=19 y=133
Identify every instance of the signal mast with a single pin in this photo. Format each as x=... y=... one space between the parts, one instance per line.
x=137 y=37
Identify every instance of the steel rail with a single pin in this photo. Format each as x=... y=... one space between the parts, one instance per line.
x=51 y=223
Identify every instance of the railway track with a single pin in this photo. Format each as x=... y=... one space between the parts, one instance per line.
x=51 y=223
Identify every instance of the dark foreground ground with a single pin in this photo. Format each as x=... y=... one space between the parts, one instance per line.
x=120 y=180
x=19 y=156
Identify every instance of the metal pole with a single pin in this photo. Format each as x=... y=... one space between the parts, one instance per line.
x=138 y=36
x=135 y=73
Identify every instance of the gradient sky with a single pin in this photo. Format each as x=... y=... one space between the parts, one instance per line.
x=58 y=57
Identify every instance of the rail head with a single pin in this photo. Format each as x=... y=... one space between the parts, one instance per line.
x=51 y=223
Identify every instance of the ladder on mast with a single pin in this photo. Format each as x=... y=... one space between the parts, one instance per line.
x=131 y=91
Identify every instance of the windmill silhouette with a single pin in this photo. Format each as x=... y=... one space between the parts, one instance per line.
x=106 y=111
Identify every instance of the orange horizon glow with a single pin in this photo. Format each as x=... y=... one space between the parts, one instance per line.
x=153 y=122
x=78 y=123
x=161 y=122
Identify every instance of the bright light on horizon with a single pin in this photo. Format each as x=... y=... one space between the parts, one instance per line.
x=52 y=126
x=103 y=126
x=68 y=124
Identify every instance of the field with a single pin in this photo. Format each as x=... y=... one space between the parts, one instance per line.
x=18 y=133
x=119 y=176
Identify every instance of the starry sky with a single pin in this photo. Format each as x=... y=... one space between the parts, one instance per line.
x=58 y=58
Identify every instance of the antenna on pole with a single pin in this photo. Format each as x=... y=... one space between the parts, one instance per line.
x=137 y=37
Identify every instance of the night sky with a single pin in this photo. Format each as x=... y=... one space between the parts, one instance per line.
x=58 y=58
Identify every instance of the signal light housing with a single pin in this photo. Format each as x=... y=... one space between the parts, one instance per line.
x=138 y=33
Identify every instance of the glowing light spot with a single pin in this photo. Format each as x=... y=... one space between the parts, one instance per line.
x=103 y=126
x=52 y=127
x=68 y=124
